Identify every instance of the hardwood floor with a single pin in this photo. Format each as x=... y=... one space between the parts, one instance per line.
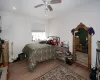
x=82 y=58
x=19 y=70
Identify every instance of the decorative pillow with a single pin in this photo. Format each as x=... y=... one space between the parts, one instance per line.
x=53 y=42
x=54 y=38
x=49 y=42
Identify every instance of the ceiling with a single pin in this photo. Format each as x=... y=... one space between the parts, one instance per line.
x=27 y=7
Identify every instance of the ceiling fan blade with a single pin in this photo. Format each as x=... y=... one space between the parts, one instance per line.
x=50 y=8
x=38 y=5
x=55 y=1
x=44 y=0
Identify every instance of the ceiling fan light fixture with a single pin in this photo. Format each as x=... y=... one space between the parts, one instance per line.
x=46 y=15
x=46 y=11
x=14 y=8
x=47 y=5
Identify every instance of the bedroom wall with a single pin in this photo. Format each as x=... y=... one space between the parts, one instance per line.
x=17 y=29
x=88 y=14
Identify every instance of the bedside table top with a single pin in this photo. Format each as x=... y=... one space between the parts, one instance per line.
x=63 y=49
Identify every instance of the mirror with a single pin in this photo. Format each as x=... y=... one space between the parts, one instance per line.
x=82 y=46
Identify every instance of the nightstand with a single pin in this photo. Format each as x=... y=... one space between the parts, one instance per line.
x=61 y=53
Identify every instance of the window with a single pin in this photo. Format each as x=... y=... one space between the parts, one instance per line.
x=38 y=36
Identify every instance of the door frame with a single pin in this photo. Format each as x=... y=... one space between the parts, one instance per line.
x=89 y=43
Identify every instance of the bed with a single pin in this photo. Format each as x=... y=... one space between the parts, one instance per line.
x=37 y=52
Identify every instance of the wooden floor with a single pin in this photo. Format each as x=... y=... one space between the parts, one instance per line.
x=19 y=70
x=82 y=58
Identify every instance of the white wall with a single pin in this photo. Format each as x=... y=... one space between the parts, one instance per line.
x=88 y=14
x=17 y=29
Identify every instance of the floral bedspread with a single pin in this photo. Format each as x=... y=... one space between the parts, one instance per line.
x=38 y=52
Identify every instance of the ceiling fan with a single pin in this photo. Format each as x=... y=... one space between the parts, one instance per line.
x=47 y=3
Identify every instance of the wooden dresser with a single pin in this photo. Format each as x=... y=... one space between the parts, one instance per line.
x=61 y=53
x=4 y=59
x=5 y=47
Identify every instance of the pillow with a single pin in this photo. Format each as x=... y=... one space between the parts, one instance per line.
x=49 y=42
x=53 y=42
x=43 y=42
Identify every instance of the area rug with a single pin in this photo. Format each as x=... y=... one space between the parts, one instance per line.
x=61 y=72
